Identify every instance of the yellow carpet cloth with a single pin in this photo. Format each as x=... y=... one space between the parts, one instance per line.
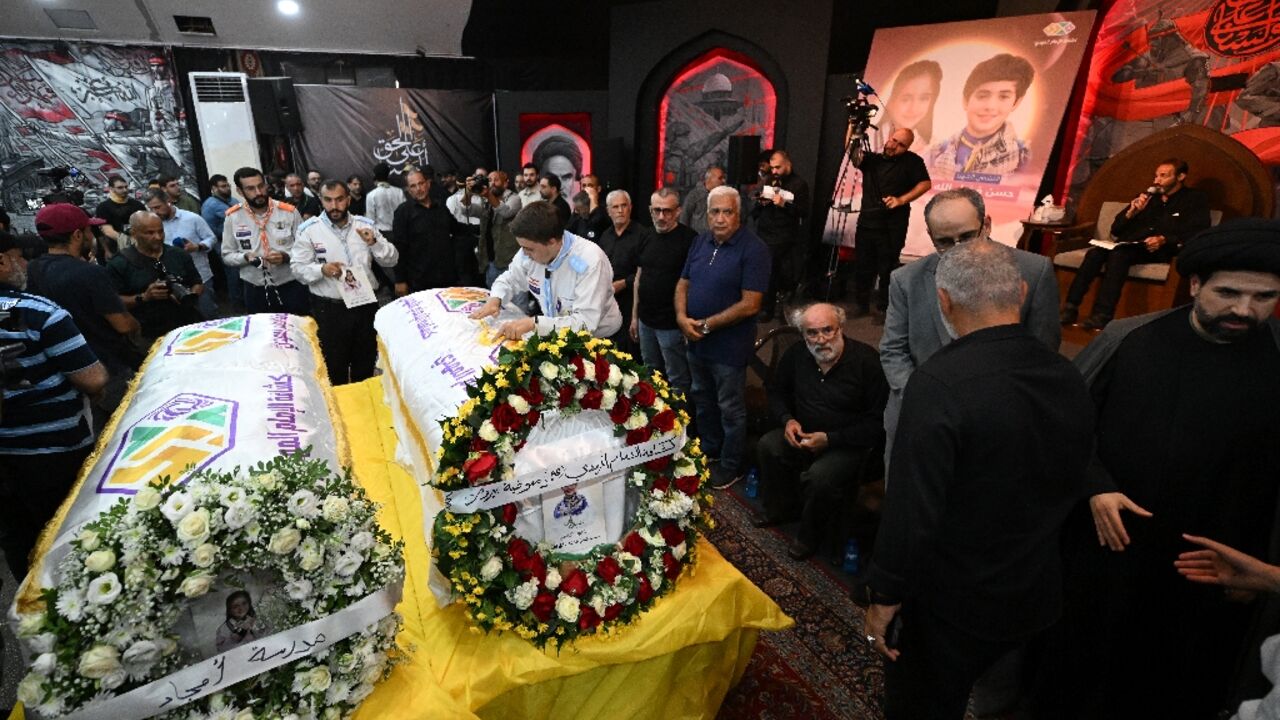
x=677 y=661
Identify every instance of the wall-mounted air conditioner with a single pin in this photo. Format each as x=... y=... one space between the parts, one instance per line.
x=226 y=122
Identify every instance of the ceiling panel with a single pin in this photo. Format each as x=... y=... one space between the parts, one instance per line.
x=432 y=27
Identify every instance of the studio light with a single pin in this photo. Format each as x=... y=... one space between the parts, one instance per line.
x=288 y=7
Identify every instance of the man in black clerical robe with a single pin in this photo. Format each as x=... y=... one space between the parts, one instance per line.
x=1188 y=404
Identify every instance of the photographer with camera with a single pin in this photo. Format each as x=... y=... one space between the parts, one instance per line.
x=497 y=244
x=891 y=179
x=466 y=206
x=188 y=232
x=158 y=283
x=47 y=372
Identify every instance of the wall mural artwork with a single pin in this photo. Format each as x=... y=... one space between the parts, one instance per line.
x=719 y=94
x=559 y=144
x=95 y=110
x=1156 y=64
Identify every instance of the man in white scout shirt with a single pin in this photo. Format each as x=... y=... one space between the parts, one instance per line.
x=333 y=255
x=257 y=238
x=571 y=279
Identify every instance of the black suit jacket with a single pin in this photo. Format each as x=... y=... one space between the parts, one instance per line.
x=989 y=458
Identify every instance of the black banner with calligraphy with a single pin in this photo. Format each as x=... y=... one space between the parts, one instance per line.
x=351 y=129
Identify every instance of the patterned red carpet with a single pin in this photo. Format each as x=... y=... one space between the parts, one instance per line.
x=817 y=669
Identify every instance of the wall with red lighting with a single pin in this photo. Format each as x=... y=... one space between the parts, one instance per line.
x=652 y=43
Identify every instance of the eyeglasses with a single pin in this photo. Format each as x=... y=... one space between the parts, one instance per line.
x=815 y=333
x=948 y=242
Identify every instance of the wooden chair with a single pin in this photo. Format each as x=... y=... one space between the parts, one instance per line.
x=1236 y=181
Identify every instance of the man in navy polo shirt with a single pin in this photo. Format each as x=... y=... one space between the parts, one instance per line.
x=45 y=428
x=717 y=298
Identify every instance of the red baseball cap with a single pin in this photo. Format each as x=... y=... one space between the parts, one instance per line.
x=63 y=219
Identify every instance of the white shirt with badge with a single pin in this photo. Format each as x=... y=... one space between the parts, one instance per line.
x=245 y=232
x=320 y=242
x=575 y=290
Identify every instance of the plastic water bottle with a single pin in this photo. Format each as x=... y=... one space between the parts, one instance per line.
x=752 y=486
x=851 y=557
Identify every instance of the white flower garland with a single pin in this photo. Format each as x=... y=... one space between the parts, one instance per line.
x=106 y=628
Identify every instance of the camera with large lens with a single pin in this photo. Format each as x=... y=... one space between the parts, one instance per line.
x=177 y=289
x=479 y=183
x=860 y=108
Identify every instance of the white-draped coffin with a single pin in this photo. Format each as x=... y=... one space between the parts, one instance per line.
x=429 y=351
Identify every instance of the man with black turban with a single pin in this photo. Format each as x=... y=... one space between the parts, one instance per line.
x=1188 y=404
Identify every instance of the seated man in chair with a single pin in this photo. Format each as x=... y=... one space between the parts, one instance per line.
x=1151 y=230
x=829 y=396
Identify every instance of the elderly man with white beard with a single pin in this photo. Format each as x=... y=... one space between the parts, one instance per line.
x=828 y=397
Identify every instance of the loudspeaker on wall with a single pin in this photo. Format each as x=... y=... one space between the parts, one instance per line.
x=275 y=105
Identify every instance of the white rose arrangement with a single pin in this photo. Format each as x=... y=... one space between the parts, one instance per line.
x=107 y=627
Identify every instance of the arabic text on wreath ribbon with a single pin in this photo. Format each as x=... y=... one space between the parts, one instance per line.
x=579 y=469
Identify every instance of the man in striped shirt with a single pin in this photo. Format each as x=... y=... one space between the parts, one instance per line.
x=45 y=429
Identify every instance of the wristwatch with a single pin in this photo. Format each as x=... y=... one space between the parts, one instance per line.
x=705 y=328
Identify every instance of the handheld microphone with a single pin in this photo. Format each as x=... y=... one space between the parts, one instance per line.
x=1153 y=191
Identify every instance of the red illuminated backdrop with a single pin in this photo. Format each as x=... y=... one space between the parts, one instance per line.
x=718 y=94
x=556 y=142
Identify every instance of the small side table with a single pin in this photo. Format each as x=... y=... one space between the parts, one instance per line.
x=1042 y=237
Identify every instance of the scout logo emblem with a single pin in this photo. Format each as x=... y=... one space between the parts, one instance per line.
x=462 y=300
x=208 y=336
x=185 y=434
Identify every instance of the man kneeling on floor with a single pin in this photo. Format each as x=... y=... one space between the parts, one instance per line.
x=828 y=395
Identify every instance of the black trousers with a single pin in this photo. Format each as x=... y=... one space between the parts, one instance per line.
x=932 y=678
x=876 y=255
x=31 y=489
x=1117 y=262
x=291 y=297
x=347 y=338
x=814 y=484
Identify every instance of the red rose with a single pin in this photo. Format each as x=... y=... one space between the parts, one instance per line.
x=602 y=369
x=519 y=549
x=645 y=394
x=479 y=444
x=505 y=418
x=613 y=611
x=639 y=435
x=591 y=401
x=672 y=534
x=533 y=417
x=634 y=544
x=566 y=396
x=687 y=484
x=579 y=368
x=670 y=566
x=575 y=584
x=509 y=513
x=608 y=569
x=662 y=484
x=659 y=464
x=664 y=421
x=587 y=618
x=534 y=566
x=533 y=393
x=479 y=467
x=543 y=605
x=621 y=411
x=645 y=593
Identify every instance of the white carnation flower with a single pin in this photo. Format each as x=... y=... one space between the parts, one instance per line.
x=608 y=399
x=679 y=551
x=42 y=643
x=361 y=541
x=636 y=421
x=652 y=538
x=335 y=508
x=568 y=607
x=629 y=381
x=518 y=404
x=29 y=625
x=104 y=589
x=672 y=505
x=491 y=568
x=338 y=692
x=488 y=432
x=615 y=375
x=656 y=579
x=553 y=578
x=298 y=589
x=140 y=656
x=303 y=503
x=269 y=480
x=31 y=690
x=629 y=562
x=523 y=594
x=597 y=603
x=178 y=506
